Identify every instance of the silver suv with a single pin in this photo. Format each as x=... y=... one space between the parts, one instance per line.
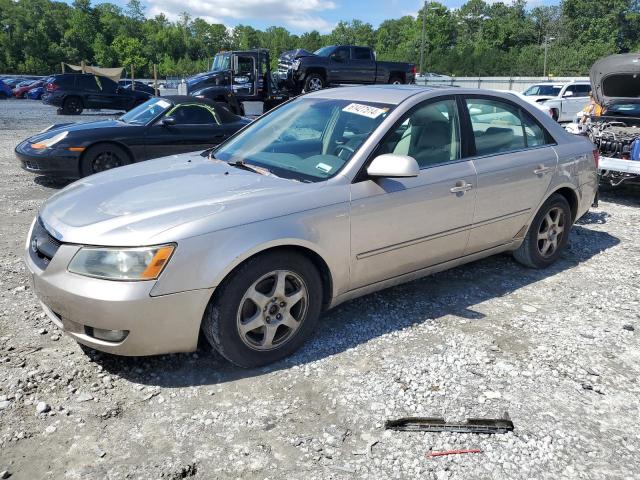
x=330 y=196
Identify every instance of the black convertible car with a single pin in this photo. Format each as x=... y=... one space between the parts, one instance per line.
x=157 y=128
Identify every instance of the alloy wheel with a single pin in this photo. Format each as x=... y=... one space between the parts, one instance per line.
x=106 y=161
x=315 y=84
x=551 y=231
x=272 y=310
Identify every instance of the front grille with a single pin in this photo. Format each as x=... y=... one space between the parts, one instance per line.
x=283 y=67
x=32 y=165
x=42 y=246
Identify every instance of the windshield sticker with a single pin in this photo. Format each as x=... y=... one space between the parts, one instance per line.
x=365 y=110
x=324 y=167
x=163 y=103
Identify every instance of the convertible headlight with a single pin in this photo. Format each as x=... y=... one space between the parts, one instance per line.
x=49 y=141
x=144 y=263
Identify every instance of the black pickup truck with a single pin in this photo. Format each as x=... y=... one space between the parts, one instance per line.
x=300 y=70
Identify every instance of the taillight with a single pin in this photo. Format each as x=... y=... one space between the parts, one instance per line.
x=51 y=87
x=413 y=70
x=596 y=157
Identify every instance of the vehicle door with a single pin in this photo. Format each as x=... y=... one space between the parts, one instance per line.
x=89 y=88
x=363 y=65
x=339 y=66
x=574 y=99
x=195 y=127
x=244 y=77
x=401 y=225
x=515 y=162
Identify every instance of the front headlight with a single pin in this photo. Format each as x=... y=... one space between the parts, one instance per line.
x=295 y=65
x=49 y=141
x=144 y=263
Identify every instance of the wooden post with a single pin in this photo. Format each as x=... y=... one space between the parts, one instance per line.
x=155 y=79
x=62 y=66
x=133 y=85
x=82 y=64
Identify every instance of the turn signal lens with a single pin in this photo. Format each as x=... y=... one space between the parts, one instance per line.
x=158 y=262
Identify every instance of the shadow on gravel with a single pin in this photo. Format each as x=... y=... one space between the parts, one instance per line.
x=627 y=195
x=52 y=182
x=454 y=292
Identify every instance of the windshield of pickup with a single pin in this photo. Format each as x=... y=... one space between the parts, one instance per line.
x=546 y=90
x=324 y=51
x=143 y=114
x=308 y=139
x=221 y=61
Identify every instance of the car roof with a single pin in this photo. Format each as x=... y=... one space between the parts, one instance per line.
x=225 y=115
x=390 y=94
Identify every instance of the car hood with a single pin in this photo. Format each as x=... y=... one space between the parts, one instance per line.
x=78 y=127
x=291 y=55
x=169 y=199
x=616 y=77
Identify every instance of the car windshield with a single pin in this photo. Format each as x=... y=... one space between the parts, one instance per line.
x=324 y=51
x=308 y=139
x=222 y=61
x=145 y=113
x=626 y=109
x=550 y=90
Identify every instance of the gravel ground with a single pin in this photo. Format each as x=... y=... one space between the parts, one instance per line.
x=557 y=349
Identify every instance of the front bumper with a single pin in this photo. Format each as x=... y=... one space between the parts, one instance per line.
x=56 y=162
x=78 y=304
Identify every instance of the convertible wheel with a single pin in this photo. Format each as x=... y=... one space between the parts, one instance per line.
x=548 y=234
x=265 y=310
x=100 y=158
x=313 y=83
x=72 y=106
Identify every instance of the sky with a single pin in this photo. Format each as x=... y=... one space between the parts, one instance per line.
x=297 y=16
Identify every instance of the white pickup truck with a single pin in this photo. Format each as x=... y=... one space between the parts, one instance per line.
x=564 y=100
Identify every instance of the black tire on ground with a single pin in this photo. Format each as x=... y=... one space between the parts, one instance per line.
x=314 y=82
x=220 y=323
x=396 y=80
x=547 y=235
x=72 y=106
x=101 y=157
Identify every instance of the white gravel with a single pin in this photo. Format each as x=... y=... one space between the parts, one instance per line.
x=556 y=349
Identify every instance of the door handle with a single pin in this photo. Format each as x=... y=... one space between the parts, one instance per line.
x=541 y=170
x=461 y=187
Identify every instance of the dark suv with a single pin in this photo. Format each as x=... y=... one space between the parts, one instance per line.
x=73 y=92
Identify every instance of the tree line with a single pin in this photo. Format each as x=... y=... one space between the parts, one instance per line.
x=479 y=38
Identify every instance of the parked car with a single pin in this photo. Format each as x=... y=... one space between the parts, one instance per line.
x=156 y=128
x=5 y=91
x=616 y=132
x=563 y=99
x=541 y=106
x=35 y=93
x=21 y=90
x=73 y=92
x=328 y=197
x=143 y=87
x=13 y=81
x=300 y=70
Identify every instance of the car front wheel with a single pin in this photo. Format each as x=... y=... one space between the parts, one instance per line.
x=265 y=310
x=548 y=234
x=100 y=158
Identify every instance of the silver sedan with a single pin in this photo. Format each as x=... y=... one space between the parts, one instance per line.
x=330 y=196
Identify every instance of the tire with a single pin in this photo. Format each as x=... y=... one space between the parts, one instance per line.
x=102 y=157
x=553 y=219
x=72 y=106
x=224 y=322
x=554 y=114
x=314 y=82
x=396 y=81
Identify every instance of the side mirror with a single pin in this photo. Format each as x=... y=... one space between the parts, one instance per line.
x=168 y=121
x=390 y=165
x=568 y=94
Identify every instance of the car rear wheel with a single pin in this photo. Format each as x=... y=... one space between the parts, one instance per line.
x=100 y=158
x=72 y=106
x=313 y=82
x=396 y=81
x=265 y=310
x=548 y=234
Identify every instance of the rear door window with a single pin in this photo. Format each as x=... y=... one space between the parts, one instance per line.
x=360 y=53
x=193 y=115
x=88 y=83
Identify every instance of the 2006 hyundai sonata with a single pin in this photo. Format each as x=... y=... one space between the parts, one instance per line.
x=330 y=196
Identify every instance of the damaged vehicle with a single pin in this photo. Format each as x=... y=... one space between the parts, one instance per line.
x=303 y=71
x=616 y=133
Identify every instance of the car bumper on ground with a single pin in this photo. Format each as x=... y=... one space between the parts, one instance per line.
x=57 y=162
x=85 y=308
x=618 y=170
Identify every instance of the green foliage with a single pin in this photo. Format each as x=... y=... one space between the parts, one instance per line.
x=478 y=38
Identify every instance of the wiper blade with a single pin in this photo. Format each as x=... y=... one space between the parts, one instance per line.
x=251 y=168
